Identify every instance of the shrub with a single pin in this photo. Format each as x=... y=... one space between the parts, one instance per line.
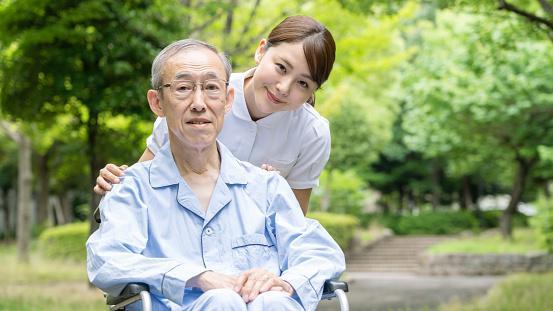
x=340 y=227
x=435 y=223
x=67 y=241
x=490 y=219
x=543 y=222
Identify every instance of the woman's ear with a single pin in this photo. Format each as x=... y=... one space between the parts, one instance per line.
x=155 y=103
x=260 y=51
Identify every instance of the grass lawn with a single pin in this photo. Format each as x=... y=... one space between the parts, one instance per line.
x=524 y=241
x=44 y=284
x=518 y=292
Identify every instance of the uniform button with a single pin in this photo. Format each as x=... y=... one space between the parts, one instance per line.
x=208 y=231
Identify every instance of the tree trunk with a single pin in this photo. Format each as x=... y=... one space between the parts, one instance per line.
x=3 y=212
x=466 y=194
x=44 y=189
x=546 y=189
x=436 y=190
x=11 y=199
x=66 y=206
x=94 y=168
x=24 y=176
x=506 y=222
x=400 y=200
x=24 y=198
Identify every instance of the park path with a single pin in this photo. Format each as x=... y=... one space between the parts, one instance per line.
x=384 y=277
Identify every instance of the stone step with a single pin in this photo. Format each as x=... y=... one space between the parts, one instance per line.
x=384 y=262
x=381 y=269
x=374 y=265
x=394 y=254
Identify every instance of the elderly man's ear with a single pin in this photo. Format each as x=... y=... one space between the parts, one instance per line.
x=230 y=99
x=155 y=103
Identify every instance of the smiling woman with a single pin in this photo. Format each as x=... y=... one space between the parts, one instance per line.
x=272 y=122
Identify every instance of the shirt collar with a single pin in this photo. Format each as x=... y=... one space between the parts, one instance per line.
x=240 y=108
x=164 y=171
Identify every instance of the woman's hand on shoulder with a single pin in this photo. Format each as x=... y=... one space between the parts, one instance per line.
x=269 y=168
x=108 y=175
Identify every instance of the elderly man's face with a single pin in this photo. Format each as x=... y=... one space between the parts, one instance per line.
x=194 y=116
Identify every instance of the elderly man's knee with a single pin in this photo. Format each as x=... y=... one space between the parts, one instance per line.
x=222 y=299
x=274 y=300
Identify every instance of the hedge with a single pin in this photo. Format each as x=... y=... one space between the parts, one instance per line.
x=341 y=227
x=66 y=242
x=442 y=222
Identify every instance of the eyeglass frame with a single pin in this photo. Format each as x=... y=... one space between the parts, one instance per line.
x=194 y=87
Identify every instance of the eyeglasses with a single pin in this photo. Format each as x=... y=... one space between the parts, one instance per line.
x=182 y=89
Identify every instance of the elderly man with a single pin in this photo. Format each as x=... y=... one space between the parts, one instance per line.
x=204 y=230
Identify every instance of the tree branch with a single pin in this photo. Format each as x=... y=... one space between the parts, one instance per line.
x=242 y=46
x=7 y=128
x=252 y=15
x=504 y=5
x=547 y=7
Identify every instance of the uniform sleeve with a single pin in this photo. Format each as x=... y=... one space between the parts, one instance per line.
x=115 y=251
x=159 y=135
x=313 y=157
x=307 y=253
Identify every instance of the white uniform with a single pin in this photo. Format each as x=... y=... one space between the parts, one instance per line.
x=297 y=143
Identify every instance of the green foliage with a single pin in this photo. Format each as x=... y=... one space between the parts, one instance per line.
x=340 y=227
x=490 y=219
x=347 y=192
x=523 y=241
x=543 y=221
x=514 y=293
x=45 y=284
x=439 y=222
x=66 y=242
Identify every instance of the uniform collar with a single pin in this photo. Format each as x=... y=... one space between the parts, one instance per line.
x=164 y=171
x=240 y=109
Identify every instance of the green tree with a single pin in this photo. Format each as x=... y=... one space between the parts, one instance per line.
x=479 y=94
x=84 y=58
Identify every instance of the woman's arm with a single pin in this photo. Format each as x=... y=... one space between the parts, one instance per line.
x=147 y=155
x=303 y=196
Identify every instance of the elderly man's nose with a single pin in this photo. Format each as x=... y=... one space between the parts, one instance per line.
x=198 y=102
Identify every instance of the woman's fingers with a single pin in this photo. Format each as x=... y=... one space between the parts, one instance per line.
x=269 y=168
x=108 y=175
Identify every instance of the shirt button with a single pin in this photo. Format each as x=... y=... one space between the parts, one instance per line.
x=208 y=231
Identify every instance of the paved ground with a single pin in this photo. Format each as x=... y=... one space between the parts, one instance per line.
x=385 y=291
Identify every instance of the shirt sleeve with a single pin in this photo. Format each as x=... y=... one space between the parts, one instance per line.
x=115 y=251
x=313 y=156
x=307 y=253
x=159 y=136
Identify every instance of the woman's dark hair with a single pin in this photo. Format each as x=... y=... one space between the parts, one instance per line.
x=318 y=44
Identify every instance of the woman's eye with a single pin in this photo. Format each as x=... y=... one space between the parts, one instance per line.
x=280 y=68
x=303 y=84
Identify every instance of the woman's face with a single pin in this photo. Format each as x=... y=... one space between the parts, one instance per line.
x=281 y=81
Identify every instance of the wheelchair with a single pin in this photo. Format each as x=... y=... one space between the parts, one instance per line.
x=137 y=291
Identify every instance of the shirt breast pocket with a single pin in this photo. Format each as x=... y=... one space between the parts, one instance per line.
x=253 y=251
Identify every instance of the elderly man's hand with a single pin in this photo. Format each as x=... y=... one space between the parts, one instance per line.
x=256 y=281
x=212 y=280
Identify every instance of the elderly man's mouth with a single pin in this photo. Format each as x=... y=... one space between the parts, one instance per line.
x=198 y=122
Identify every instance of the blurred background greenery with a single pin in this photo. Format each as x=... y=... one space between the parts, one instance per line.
x=436 y=108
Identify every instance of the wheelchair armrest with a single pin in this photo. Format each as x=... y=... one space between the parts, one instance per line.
x=129 y=291
x=332 y=285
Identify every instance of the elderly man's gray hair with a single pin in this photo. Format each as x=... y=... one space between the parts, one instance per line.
x=177 y=47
